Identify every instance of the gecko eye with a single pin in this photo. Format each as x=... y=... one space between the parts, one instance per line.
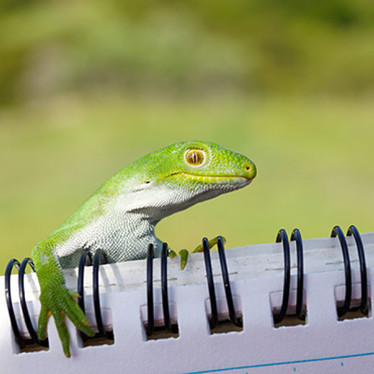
x=194 y=157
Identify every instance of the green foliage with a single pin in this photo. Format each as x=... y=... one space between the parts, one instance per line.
x=189 y=47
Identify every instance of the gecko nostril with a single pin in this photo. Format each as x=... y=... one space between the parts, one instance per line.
x=247 y=168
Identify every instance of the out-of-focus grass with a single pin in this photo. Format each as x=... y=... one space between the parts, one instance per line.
x=257 y=46
x=314 y=159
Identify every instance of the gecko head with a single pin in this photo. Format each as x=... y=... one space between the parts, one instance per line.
x=185 y=173
x=209 y=166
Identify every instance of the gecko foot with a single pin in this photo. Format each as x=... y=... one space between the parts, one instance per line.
x=58 y=301
x=183 y=253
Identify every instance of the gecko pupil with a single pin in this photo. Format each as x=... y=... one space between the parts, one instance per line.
x=195 y=157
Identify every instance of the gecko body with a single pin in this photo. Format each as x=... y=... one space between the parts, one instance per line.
x=121 y=215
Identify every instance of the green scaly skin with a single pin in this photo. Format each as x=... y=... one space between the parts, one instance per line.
x=121 y=215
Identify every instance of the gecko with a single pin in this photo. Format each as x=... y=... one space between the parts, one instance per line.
x=120 y=218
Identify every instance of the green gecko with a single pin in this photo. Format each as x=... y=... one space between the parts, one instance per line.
x=121 y=215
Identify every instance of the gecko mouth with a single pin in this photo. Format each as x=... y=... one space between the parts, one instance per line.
x=231 y=179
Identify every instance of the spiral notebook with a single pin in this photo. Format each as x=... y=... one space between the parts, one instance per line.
x=302 y=306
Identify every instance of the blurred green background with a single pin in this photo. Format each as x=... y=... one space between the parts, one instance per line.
x=87 y=87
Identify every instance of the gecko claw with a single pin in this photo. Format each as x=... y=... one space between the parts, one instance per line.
x=184 y=257
x=211 y=244
x=172 y=254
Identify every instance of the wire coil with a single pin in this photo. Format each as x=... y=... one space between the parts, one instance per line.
x=226 y=283
x=150 y=326
x=22 y=342
x=337 y=232
x=296 y=236
x=283 y=238
x=352 y=230
x=99 y=259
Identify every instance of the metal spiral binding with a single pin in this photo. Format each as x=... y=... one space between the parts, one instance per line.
x=151 y=319
x=150 y=326
x=282 y=237
x=209 y=277
x=295 y=236
x=226 y=282
x=21 y=272
x=337 y=231
x=300 y=273
x=352 y=230
x=164 y=286
x=85 y=259
x=363 y=269
x=99 y=259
